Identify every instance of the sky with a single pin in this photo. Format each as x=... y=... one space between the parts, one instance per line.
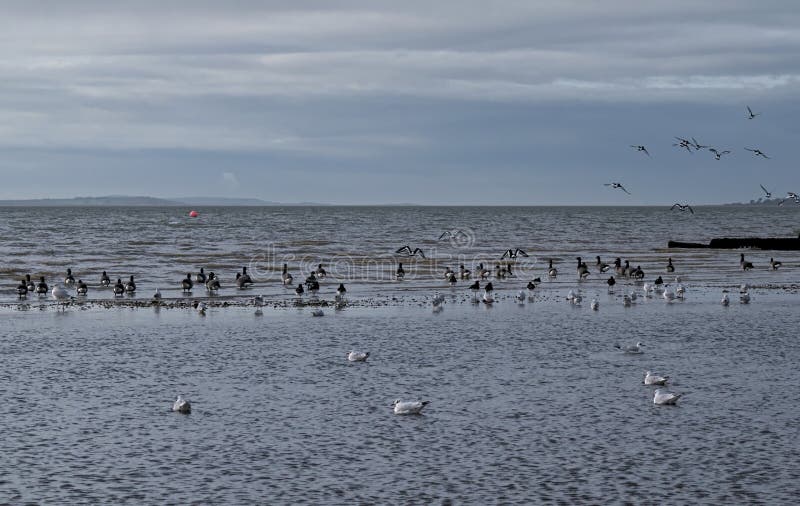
x=369 y=102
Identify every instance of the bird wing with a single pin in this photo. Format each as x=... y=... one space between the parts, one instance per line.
x=765 y=190
x=765 y=156
x=623 y=189
x=507 y=253
x=520 y=252
x=417 y=250
x=750 y=111
x=753 y=150
x=690 y=208
x=446 y=233
x=645 y=151
x=608 y=184
x=713 y=150
x=404 y=248
x=674 y=206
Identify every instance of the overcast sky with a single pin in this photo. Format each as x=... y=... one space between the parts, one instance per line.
x=354 y=102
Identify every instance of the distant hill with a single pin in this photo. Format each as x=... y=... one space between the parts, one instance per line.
x=760 y=202
x=141 y=201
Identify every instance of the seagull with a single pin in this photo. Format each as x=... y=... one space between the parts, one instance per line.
x=751 y=114
x=682 y=207
x=438 y=299
x=790 y=195
x=317 y=313
x=652 y=379
x=82 y=288
x=408 y=407
x=520 y=297
x=744 y=298
x=513 y=253
x=60 y=293
x=626 y=300
x=181 y=405
x=718 y=154
x=683 y=143
x=662 y=398
x=200 y=307
x=680 y=291
x=105 y=280
x=453 y=234
x=409 y=252
x=767 y=194
x=617 y=186
x=594 y=305
x=157 y=295
x=641 y=148
x=725 y=300
x=773 y=264
x=668 y=294
x=635 y=349
x=358 y=356
x=757 y=152
x=746 y=266
x=696 y=145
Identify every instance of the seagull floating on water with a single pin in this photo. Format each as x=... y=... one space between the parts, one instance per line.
x=408 y=407
x=652 y=379
x=725 y=300
x=181 y=405
x=662 y=397
x=634 y=349
x=358 y=356
x=682 y=207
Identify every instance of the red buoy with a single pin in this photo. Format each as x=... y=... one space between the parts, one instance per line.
x=193 y=214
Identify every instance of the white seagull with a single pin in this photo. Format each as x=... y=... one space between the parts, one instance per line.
x=357 y=356
x=181 y=405
x=635 y=349
x=653 y=379
x=662 y=398
x=408 y=407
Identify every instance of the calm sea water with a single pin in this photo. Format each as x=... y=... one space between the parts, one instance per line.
x=529 y=403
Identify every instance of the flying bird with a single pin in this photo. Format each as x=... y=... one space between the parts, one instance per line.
x=682 y=207
x=684 y=143
x=513 y=253
x=696 y=145
x=453 y=234
x=751 y=114
x=617 y=186
x=718 y=154
x=409 y=252
x=641 y=148
x=757 y=152
x=767 y=193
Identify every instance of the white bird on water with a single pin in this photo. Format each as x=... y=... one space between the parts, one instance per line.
x=181 y=405
x=653 y=379
x=662 y=397
x=635 y=349
x=669 y=295
x=594 y=305
x=744 y=298
x=408 y=407
x=725 y=300
x=357 y=356
x=318 y=312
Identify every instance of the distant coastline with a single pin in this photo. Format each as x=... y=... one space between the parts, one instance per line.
x=142 y=201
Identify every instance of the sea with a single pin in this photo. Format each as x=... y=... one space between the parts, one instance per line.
x=530 y=399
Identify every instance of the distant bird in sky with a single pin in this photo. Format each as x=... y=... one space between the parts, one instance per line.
x=617 y=186
x=641 y=148
x=684 y=143
x=409 y=252
x=696 y=145
x=718 y=154
x=682 y=207
x=751 y=114
x=767 y=194
x=757 y=152
x=513 y=253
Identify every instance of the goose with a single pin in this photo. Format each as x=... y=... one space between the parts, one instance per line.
x=634 y=349
x=22 y=289
x=626 y=271
x=508 y=272
x=602 y=266
x=358 y=356
x=652 y=379
x=247 y=277
x=583 y=270
x=408 y=407
x=243 y=281
x=513 y=253
x=452 y=279
x=201 y=277
x=157 y=295
x=463 y=272
x=313 y=288
x=119 y=288
x=611 y=282
x=552 y=271
x=299 y=290
x=725 y=300
x=638 y=273
x=105 y=281
x=42 y=287
x=399 y=273
x=186 y=284
x=499 y=273
x=594 y=305
x=618 y=269
x=181 y=405
x=662 y=398
x=130 y=286
x=482 y=272
x=212 y=282
x=69 y=280
x=341 y=290
x=82 y=288
x=773 y=264
x=670 y=267
x=286 y=278
x=321 y=272
x=311 y=279
x=447 y=272
x=488 y=287
x=29 y=284
x=746 y=266
x=531 y=287
x=658 y=282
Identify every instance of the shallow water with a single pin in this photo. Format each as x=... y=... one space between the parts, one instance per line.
x=529 y=403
